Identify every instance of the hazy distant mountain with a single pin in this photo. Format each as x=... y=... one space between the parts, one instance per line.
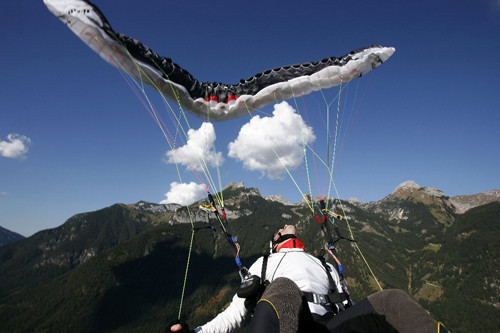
x=465 y=202
x=7 y=236
x=122 y=267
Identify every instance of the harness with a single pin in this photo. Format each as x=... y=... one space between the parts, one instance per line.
x=254 y=290
x=334 y=296
x=322 y=217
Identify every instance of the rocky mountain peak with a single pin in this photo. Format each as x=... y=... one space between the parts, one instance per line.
x=278 y=198
x=410 y=189
x=465 y=202
x=155 y=208
x=409 y=184
x=440 y=207
x=234 y=186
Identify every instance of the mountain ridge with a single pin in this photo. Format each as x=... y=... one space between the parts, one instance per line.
x=8 y=236
x=110 y=269
x=410 y=190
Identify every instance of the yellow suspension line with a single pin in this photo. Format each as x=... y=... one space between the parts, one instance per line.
x=333 y=160
x=186 y=274
x=205 y=169
x=331 y=167
x=352 y=237
x=304 y=148
x=310 y=204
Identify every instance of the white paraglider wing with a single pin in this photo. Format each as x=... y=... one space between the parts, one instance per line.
x=208 y=100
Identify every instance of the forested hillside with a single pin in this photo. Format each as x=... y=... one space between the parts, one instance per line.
x=122 y=268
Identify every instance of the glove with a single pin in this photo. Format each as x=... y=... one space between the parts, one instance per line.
x=179 y=326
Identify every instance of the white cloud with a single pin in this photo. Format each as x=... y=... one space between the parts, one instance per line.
x=184 y=194
x=197 y=152
x=3 y=193
x=268 y=144
x=16 y=146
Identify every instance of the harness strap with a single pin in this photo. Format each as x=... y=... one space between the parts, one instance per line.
x=263 y=280
x=333 y=286
x=331 y=298
x=335 y=296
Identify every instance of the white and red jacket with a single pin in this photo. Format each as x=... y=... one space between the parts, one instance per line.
x=291 y=261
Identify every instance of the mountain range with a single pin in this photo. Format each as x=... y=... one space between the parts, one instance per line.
x=7 y=236
x=122 y=268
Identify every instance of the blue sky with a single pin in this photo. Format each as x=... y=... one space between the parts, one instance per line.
x=430 y=114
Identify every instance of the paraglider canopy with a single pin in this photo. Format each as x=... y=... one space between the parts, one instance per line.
x=207 y=100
